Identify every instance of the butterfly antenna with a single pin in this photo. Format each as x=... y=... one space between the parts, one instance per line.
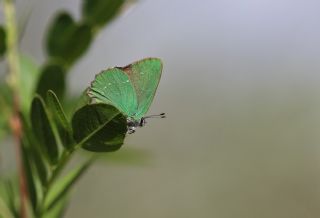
x=162 y=115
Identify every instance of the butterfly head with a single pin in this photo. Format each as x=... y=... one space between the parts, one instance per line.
x=133 y=124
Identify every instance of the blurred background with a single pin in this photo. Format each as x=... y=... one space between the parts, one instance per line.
x=241 y=91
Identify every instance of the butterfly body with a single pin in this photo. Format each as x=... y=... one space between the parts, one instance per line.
x=133 y=124
x=131 y=89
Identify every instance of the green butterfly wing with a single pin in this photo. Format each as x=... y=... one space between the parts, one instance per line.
x=145 y=76
x=131 y=88
x=113 y=86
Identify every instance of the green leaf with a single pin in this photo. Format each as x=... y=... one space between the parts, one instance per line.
x=59 y=33
x=62 y=124
x=58 y=210
x=99 y=12
x=79 y=43
x=52 y=78
x=44 y=130
x=62 y=187
x=35 y=153
x=67 y=40
x=30 y=175
x=10 y=194
x=29 y=75
x=3 y=44
x=99 y=127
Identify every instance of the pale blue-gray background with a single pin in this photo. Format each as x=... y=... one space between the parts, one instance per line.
x=241 y=90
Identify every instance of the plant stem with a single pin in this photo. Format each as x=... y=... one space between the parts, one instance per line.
x=12 y=50
x=15 y=122
x=65 y=157
x=62 y=163
x=64 y=160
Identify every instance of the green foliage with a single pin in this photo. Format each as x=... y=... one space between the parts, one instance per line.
x=67 y=40
x=62 y=187
x=33 y=147
x=49 y=143
x=29 y=171
x=50 y=136
x=44 y=130
x=3 y=46
x=99 y=127
x=60 y=119
x=58 y=210
x=9 y=198
x=53 y=77
x=97 y=13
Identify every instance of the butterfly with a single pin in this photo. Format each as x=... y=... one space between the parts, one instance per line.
x=130 y=89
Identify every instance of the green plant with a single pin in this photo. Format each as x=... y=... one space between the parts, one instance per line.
x=32 y=103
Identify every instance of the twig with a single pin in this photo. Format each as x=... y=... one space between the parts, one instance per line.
x=15 y=122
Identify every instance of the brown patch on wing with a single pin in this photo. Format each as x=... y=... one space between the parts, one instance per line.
x=126 y=69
